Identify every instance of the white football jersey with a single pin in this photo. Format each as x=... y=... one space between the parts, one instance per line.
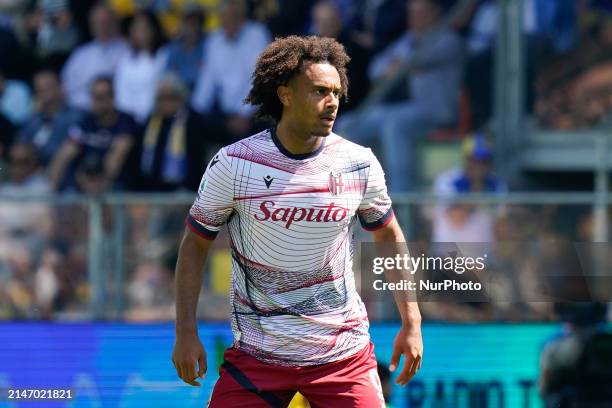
x=290 y=220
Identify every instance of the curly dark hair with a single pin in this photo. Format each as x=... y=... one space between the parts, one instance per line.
x=282 y=60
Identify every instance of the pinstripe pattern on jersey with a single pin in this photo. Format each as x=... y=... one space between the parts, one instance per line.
x=293 y=295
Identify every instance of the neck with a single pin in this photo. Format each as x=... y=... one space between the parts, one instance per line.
x=232 y=30
x=296 y=140
x=104 y=39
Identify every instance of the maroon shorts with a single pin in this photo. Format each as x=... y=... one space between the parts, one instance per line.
x=245 y=381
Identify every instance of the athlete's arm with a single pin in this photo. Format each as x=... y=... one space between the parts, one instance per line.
x=408 y=341
x=188 y=350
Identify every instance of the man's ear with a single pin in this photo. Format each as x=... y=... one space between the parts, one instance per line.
x=284 y=95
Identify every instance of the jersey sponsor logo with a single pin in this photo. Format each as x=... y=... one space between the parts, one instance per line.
x=289 y=215
x=268 y=180
x=336 y=186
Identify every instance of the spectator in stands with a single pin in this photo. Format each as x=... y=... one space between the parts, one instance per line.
x=90 y=176
x=150 y=293
x=48 y=128
x=9 y=43
x=168 y=12
x=542 y=20
x=57 y=34
x=18 y=286
x=15 y=100
x=96 y=58
x=105 y=133
x=375 y=24
x=550 y=28
x=574 y=91
x=172 y=154
x=454 y=222
x=140 y=70
x=327 y=22
x=282 y=18
x=25 y=179
x=224 y=81
x=185 y=54
x=47 y=285
x=432 y=55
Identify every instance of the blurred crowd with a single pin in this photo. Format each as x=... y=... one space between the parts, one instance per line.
x=136 y=95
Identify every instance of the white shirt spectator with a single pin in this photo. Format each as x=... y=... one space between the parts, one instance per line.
x=20 y=215
x=86 y=63
x=228 y=65
x=136 y=79
x=456 y=223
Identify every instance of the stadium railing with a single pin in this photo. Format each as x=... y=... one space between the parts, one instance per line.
x=118 y=250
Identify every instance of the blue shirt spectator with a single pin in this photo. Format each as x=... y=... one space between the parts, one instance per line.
x=48 y=128
x=15 y=100
x=186 y=53
x=104 y=135
x=551 y=20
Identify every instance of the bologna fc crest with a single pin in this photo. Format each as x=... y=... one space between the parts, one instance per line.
x=336 y=186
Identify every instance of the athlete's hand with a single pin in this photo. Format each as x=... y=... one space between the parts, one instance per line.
x=188 y=354
x=408 y=342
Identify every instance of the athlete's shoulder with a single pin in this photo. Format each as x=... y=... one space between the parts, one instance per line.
x=259 y=142
x=345 y=147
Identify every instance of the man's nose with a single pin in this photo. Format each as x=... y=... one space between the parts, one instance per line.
x=332 y=101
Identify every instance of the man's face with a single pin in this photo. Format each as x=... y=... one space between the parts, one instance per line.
x=327 y=20
x=231 y=16
x=169 y=101
x=192 y=25
x=311 y=99
x=102 y=101
x=422 y=14
x=22 y=163
x=102 y=23
x=141 y=33
x=477 y=169
x=47 y=89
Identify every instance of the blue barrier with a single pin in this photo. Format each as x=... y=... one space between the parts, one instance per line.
x=128 y=365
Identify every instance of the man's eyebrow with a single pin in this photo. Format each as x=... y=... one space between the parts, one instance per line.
x=335 y=88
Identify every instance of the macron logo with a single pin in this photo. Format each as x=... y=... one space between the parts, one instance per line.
x=214 y=161
x=268 y=180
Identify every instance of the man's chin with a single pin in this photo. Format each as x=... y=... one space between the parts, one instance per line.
x=323 y=132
